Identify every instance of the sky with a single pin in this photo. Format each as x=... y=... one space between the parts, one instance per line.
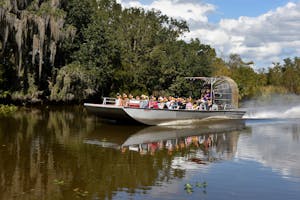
x=262 y=31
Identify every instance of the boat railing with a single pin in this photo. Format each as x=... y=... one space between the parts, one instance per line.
x=228 y=107
x=136 y=104
x=109 y=100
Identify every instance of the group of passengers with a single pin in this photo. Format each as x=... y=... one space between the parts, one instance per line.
x=163 y=102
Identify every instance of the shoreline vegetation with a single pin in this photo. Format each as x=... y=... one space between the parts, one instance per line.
x=6 y=110
x=68 y=52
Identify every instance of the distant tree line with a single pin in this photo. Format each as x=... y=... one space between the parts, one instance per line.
x=74 y=50
x=278 y=79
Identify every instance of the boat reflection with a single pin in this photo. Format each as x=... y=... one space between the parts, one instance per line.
x=206 y=141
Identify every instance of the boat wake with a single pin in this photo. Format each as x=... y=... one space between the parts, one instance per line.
x=271 y=112
x=180 y=122
x=189 y=122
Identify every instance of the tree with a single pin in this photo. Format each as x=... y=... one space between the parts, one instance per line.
x=247 y=79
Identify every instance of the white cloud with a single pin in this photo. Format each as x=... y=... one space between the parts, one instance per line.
x=130 y=3
x=188 y=10
x=263 y=39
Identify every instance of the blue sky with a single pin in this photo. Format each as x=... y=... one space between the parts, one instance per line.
x=263 y=31
x=237 y=8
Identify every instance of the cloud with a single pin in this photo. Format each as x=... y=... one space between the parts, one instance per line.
x=189 y=10
x=264 y=39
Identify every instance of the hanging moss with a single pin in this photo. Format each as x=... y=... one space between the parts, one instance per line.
x=34 y=29
x=72 y=84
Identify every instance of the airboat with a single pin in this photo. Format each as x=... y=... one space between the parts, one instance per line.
x=223 y=93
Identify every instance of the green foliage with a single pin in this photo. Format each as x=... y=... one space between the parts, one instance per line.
x=46 y=9
x=249 y=81
x=3 y=3
x=31 y=93
x=80 y=12
x=120 y=50
x=73 y=82
x=79 y=15
x=286 y=75
x=189 y=188
x=7 y=109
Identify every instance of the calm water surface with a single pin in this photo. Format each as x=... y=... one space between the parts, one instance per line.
x=64 y=153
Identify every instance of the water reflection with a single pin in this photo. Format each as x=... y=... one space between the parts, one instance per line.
x=65 y=153
x=275 y=144
x=208 y=140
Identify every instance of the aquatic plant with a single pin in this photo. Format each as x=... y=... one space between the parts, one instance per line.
x=201 y=185
x=189 y=188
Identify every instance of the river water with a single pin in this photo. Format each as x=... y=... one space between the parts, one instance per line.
x=65 y=153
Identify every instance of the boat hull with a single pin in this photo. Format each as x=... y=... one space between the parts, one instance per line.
x=157 y=116
x=160 y=117
x=109 y=112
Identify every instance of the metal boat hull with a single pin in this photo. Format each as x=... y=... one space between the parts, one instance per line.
x=110 y=112
x=156 y=117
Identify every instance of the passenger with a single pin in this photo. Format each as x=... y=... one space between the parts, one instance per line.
x=184 y=102
x=125 y=100
x=208 y=99
x=169 y=103
x=153 y=103
x=202 y=106
x=180 y=103
x=189 y=105
x=209 y=104
x=161 y=103
x=165 y=102
x=119 y=101
x=144 y=103
x=134 y=102
x=202 y=102
x=130 y=96
x=195 y=106
x=174 y=104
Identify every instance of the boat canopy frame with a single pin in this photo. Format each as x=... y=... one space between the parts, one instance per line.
x=223 y=90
